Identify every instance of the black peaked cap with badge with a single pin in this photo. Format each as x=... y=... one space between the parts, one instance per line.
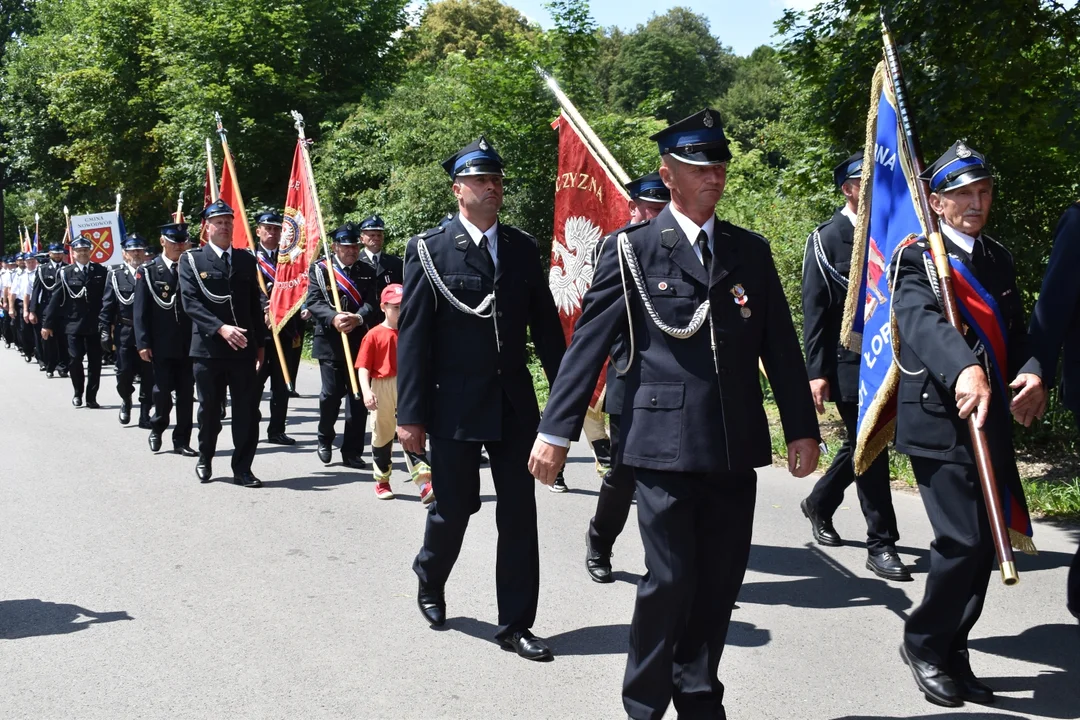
x=345 y=235
x=175 y=232
x=269 y=217
x=696 y=140
x=959 y=166
x=649 y=188
x=849 y=169
x=372 y=223
x=476 y=158
x=218 y=208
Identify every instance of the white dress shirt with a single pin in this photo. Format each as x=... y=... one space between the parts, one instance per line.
x=220 y=251
x=846 y=212
x=965 y=241
x=691 y=230
x=492 y=234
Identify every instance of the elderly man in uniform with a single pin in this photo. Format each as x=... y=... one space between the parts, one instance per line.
x=46 y=282
x=648 y=196
x=74 y=309
x=1055 y=325
x=268 y=229
x=163 y=338
x=220 y=293
x=703 y=301
x=834 y=377
x=359 y=307
x=947 y=378
x=463 y=379
x=7 y=272
x=117 y=325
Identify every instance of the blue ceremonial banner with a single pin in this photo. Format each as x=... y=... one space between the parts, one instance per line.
x=887 y=218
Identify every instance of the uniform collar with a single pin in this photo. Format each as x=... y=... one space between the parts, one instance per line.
x=962 y=240
x=168 y=263
x=691 y=228
x=846 y=212
x=218 y=251
x=373 y=257
x=492 y=233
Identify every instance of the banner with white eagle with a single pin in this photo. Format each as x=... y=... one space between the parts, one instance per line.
x=589 y=204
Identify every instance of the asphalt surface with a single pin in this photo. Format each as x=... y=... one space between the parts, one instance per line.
x=129 y=590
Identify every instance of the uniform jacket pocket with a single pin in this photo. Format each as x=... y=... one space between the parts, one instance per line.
x=656 y=426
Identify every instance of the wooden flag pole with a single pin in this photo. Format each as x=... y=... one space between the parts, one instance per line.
x=326 y=251
x=251 y=245
x=179 y=216
x=210 y=172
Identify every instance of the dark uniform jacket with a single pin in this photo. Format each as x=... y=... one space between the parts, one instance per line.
x=293 y=332
x=202 y=271
x=45 y=284
x=824 y=292
x=320 y=301
x=118 y=306
x=927 y=423
x=79 y=316
x=685 y=411
x=387 y=271
x=454 y=371
x=614 y=383
x=164 y=330
x=1056 y=320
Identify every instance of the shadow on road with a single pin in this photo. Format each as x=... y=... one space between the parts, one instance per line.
x=32 y=618
x=938 y=716
x=1055 y=688
x=823 y=583
x=320 y=481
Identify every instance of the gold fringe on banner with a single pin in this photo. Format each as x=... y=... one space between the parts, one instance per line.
x=1022 y=542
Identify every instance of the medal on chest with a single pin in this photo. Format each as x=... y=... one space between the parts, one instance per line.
x=741 y=299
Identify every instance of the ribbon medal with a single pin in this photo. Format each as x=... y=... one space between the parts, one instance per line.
x=741 y=298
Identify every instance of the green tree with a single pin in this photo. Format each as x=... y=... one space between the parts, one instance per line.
x=469 y=27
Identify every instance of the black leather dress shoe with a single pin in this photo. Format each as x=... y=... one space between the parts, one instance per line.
x=125 y=412
x=325 y=453
x=247 y=480
x=887 y=565
x=597 y=563
x=49 y=374
x=203 y=470
x=184 y=451
x=93 y=404
x=823 y=529
x=936 y=685
x=354 y=461
x=154 y=441
x=432 y=604
x=77 y=401
x=527 y=645
x=62 y=373
x=280 y=439
x=970 y=687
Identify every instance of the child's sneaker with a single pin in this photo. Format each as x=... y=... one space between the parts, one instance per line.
x=427 y=495
x=560 y=484
x=383 y=491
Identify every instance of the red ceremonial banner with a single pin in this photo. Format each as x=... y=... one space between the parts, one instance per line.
x=300 y=241
x=230 y=193
x=589 y=204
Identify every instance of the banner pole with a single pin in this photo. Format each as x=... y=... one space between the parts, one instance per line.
x=251 y=246
x=326 y=250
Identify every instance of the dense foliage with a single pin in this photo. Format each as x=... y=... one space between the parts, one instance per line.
x=102 y=96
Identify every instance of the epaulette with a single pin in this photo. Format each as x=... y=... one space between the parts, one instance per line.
x=432 y=232
x=725 y=226
x=1001 y=247
x=630 y=228
x=513 y=230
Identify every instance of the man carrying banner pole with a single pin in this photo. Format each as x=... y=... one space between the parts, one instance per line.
x=960 y=326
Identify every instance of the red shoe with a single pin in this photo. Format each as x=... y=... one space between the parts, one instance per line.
x=427 y=495
x=383 y=491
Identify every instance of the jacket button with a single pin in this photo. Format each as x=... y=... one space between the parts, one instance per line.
x=653 y=401
x=926 y=396
x=498 y=314
x=498 y=371
x=496 y=286
x=436 y=386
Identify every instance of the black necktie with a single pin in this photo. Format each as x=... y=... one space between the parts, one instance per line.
x=706 y=253
x=487 y=254
x=225 y=257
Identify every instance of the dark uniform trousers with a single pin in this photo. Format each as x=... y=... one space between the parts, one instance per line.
x=128 y=366
x=88 y=346
x=271 y=370
x=335 y=386
x=213 y=376
x=929 y=430
x=55 y=350
x=24 y=333
x=174 y=375
x=693 y=468
x=616 y=497
x=455 y=478
x=872 y=486
x=825 y=264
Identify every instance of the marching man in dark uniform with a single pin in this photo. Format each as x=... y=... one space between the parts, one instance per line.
x=268 y=229
x=359 y=307
x=388 y=269
x=705 y=302
x=163 y=338
x=74 y=309
x=834 y=377
x=220 y=293
x=117 y=324
x=1055 y=324
x=472 y=289
x=45 y=284
x=648 y=196
x=947 y=377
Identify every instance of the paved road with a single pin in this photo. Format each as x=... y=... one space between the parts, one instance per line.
x=129 y=590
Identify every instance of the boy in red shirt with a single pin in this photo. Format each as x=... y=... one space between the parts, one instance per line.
x=377 y=367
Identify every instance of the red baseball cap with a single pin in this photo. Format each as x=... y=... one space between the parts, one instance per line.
x=391 y=294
